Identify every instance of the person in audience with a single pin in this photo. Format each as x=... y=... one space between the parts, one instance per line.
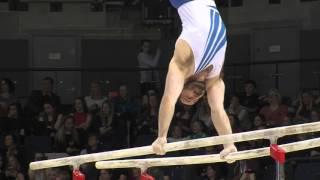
x=275 y=113
x=183 y=116
x=315 y=116
x=13 y=170
x=304 y=107
x=13 y=122
x=67 y=137
x=12 y=148
x=212 y=172
x=7 y=89
x=46 y=123
x=250 y=98
x=82 y=117
x=105 y=175
x=95 y=99
x=41 y=173
x=125 y=114
x=103 y=122
x=177 y=134
x=146 y=59
x=196 y=133
x=241 y=112
x=203 y=113
x=234 y=122
x=148 y=119
x=37 y=98
x=93 y=146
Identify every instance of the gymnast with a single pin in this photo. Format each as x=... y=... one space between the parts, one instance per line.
x=195 y=69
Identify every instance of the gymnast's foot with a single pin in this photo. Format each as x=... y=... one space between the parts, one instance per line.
x=230 y=148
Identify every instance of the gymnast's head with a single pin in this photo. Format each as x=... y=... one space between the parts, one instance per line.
x=192 y=92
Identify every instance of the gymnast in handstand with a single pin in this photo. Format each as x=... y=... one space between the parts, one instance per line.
x=195 y=69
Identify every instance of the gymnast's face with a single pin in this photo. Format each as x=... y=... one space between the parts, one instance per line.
x=192 y=92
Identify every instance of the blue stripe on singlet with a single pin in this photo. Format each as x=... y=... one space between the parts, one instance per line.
x=213 y=30
x=216 y=42
x=219 y=43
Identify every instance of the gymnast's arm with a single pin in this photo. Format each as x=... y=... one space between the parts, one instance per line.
x=173 y=87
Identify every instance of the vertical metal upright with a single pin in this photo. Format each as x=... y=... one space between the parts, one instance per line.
x=278 y=154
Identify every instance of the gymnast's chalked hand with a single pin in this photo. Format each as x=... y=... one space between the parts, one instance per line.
x=158 y=146
x=226 y=151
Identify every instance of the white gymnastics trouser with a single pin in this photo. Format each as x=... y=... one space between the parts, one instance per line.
x=205 y=32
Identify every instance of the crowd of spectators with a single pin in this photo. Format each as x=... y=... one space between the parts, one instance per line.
x=98 y=122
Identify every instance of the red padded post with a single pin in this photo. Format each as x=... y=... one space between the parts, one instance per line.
x=277 y=153
x=145 y=176
x=77 y=175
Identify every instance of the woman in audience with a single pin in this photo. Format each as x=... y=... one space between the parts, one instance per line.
x=12 y=148
x=146 y=59
x=148 y=118
x=275 y=113
x=240 y=111
x=95 y=99
x=93 y=146
x=196 y=133
x=203 y=113
x=67 y=137
x=82 y=118
x=46 y=123
x=315 y=116
x=305 y=105
x=13 y=122
x=177 y=134
x=12 y=169
x=234 y=122
x=183 y=116
x=103 y=123
x=105 y=174
x=7 y=97
x=211 y=173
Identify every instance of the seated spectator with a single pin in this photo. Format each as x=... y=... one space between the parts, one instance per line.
x=13 y=122
x=45 y=124
x=125 y=114
x=177 y=135
x=241 y=112
x=103 y=122
x=38 y=174
x=67 y=137
x=258 y=122
x=203 y=113
x=7 y=88
x=12 y=169
x=82 y=118
x=134 y=174
x=196 y=133
x=183 y=116
x=211 y=172
x=95 y=99
x=234 y=122
x=197 y=130
x=315 y=116
x=148 y=59
x=12 y=148
x=250 y=98
x=147 y=122
x=105 y=175
x=37 y=98
x=62 y=173
x=93 y=146
x=275 y=113
x=304 y=107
